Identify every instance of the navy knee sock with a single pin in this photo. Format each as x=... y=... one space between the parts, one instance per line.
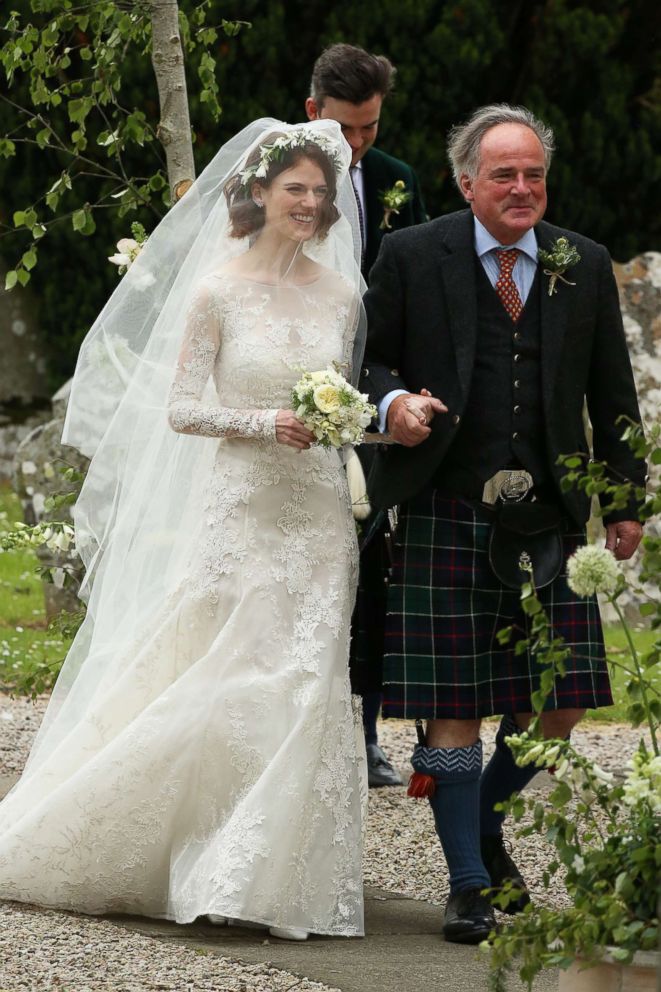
x=501 y=777
x=456 y=808
x=371 y=707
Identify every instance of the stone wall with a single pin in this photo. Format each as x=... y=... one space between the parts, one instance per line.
x=639 y=283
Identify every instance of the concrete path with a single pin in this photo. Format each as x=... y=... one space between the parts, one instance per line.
x=402 y=951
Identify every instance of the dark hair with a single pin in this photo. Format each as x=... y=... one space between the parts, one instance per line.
x=346 y=72
x=247 y=218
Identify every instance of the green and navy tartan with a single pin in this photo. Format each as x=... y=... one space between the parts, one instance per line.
x=445 y=608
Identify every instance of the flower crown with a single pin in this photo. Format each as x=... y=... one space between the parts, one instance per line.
x=276 y=151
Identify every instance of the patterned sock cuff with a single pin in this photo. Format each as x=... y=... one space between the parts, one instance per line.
x=448 y=764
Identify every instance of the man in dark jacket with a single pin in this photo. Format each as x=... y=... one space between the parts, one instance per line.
x=481 y=373
x=349 y=85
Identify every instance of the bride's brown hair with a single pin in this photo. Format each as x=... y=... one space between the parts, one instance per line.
x=247 y=218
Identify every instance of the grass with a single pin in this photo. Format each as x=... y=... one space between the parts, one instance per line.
x=617 y=650
x=27 y=647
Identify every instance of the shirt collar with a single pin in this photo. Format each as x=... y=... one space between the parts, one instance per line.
x=358 y=165
x=485 y=242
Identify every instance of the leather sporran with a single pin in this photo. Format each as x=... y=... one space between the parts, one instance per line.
x=526 y=537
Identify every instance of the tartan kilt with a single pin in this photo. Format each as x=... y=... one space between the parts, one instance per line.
x=445 y=606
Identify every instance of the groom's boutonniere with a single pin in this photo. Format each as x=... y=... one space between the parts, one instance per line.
x=393 y=200
x=556 y=261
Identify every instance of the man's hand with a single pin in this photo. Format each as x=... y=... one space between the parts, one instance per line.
x=623 y=538
x=410 y=414
x=290 y=430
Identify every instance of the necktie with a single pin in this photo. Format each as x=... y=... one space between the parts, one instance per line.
x=505 y=286
x=352 y=175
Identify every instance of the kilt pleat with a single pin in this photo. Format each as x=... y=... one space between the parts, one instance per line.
x=445 y=607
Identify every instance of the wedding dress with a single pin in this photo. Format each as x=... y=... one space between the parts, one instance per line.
x=253 y=810
x=200 y=754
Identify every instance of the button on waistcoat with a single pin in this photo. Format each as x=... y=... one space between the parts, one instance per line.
x=503 y=423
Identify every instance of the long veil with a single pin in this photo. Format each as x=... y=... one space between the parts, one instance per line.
x=143 y=494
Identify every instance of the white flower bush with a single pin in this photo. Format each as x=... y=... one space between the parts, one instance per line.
x=591 y=570
x=643 y=781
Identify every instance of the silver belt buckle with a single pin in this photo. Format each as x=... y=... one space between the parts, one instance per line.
x=508 y=485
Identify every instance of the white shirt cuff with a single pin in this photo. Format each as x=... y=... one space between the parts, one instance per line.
x=385 y=404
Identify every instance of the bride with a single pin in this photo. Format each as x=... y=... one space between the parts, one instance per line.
x=200 y=754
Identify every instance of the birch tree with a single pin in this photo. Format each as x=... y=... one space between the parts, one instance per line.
x=63 y=67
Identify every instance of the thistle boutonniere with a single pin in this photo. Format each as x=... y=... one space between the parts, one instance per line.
x=556 y=261
x=393 y=200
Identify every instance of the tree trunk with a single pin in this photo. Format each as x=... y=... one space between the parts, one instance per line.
x=174 y=130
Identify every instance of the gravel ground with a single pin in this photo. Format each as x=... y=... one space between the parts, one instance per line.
x=402 y=852
x=46 y=950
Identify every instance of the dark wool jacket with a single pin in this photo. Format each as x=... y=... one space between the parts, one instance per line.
x=422 y=324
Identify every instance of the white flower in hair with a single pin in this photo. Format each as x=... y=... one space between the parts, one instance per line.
x=298 y=138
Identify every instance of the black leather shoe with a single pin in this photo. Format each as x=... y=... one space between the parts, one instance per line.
x=501 y=868
x=469 y=917
x=379 y=770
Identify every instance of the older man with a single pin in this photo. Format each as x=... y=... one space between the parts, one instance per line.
x=481 y=374
x=349 y=85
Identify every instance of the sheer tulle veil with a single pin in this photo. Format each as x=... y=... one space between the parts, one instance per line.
x=144 y=491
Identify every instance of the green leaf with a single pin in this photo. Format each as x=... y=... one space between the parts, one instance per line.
x=29 y=259
x=7 y=148
x=79 y=109
x=11 y=279
x=232 y=28
x=531 y=606
x=79 y=220
x=83 y=221
x=19 y=218
x=23 y=276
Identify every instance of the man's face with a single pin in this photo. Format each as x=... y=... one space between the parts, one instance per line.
x=359 y=121
x=508 y=195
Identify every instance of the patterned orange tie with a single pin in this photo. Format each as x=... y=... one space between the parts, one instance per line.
x=506 y=287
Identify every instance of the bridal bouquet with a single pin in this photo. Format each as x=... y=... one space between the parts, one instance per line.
x=331 y=408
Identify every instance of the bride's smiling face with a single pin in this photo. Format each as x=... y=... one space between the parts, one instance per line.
x=293 y=200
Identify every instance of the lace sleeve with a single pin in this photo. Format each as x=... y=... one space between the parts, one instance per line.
x=187 y=412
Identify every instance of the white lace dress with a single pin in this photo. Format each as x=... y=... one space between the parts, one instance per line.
x=224 y=771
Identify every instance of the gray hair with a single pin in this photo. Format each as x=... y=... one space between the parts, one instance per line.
x=464 y=139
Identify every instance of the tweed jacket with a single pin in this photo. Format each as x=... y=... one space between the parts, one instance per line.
x=422 y=326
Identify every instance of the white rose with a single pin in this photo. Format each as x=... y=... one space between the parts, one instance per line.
x=326 y=398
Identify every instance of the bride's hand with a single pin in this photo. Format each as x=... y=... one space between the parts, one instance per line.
x=289 y=430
